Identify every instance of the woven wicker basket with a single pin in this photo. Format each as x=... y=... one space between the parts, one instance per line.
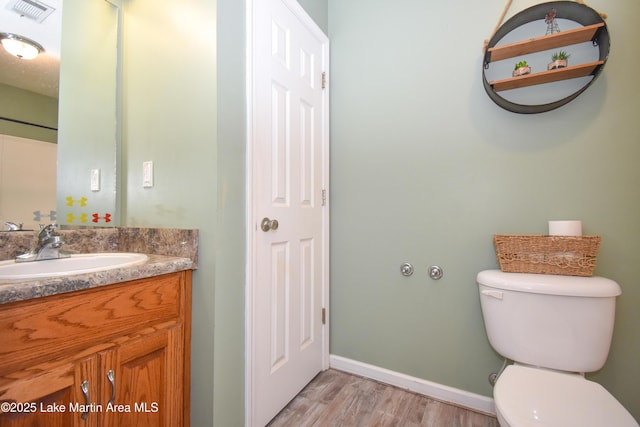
x=565 y=255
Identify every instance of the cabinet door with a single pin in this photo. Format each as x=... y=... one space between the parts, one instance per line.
x=54 y=396
x=142 y=381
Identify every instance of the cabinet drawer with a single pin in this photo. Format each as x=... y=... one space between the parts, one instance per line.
x=46 y=327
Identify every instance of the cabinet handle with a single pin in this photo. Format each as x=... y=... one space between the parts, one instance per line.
x=85 y=391
x=111 y=376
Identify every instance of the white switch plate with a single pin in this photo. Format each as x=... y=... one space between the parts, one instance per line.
x=95 y=179
x=147 y=174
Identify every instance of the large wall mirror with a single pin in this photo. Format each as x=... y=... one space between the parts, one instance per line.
x=59 y=127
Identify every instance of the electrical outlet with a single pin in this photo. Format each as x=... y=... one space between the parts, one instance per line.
x=147 y=174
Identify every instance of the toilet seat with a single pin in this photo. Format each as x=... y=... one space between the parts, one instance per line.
x=535 y=397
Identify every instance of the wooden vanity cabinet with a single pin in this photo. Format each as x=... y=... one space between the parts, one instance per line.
x=116 y=355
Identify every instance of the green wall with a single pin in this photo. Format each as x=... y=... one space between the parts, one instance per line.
x=319 y=12
x=426 y=168
x=229 y=378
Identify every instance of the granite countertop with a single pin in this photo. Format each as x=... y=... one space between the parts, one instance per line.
x=12 y=290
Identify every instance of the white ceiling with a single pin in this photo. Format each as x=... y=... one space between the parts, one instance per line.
x=41 y=74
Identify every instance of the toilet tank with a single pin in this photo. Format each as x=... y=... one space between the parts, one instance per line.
x=551 y=321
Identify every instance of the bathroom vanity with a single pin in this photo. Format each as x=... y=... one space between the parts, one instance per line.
x=111 y=355
x=108 y=348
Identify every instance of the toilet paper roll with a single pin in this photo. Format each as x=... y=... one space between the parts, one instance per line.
x=565 y=228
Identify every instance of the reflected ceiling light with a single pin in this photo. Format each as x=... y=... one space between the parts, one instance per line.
x=19 y=46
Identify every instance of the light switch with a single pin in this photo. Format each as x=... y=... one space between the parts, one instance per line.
x=147 y=174
x=95 y=179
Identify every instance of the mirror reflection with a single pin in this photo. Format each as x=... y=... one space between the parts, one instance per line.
x=29 y=112
x=59 y=116
x=88 y=135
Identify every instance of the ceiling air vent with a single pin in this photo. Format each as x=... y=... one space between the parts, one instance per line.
x=32 y=9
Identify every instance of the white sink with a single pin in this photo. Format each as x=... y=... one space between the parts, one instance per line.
x=76 y=264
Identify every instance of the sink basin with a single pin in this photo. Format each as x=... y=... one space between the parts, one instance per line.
x=76 y=264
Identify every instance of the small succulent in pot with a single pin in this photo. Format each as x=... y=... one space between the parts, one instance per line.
x=521 y=69
x=559 y=60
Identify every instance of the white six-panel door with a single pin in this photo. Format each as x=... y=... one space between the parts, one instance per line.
x=288 y=278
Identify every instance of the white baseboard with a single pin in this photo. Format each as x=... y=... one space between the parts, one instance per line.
x=436 y=391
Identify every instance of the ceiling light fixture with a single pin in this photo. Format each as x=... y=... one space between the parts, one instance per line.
x=20 y=46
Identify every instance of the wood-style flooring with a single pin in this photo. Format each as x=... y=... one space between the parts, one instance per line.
x=335 y=398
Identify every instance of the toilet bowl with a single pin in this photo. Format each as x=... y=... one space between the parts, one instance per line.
x=536 y=397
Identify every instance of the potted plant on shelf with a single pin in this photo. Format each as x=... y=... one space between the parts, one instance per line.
x=521 y=69
x=559 y=60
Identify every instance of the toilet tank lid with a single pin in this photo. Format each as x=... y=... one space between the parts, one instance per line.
x=550 y=284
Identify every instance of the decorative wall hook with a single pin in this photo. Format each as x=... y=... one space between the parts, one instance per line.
x=71 y=218
x=81 y=201
x=97 y=217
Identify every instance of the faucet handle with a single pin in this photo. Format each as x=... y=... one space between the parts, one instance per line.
x=12 y=226
x=47 y=231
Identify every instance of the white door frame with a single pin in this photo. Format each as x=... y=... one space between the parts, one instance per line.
x=251 y=215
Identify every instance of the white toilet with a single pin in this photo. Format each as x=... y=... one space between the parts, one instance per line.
x=554 y=329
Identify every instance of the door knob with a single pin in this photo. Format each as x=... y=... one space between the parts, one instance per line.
x=268 y=224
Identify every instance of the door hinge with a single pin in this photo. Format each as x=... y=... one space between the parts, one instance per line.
x=324 y=197
x=324 y=80
x=324 y=316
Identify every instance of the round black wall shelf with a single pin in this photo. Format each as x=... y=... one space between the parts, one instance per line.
x=593 y=29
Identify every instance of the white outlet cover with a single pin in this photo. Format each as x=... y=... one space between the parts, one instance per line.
x=147 y=174
x=95 y=179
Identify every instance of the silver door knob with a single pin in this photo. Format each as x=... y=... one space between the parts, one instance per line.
x=268 y=224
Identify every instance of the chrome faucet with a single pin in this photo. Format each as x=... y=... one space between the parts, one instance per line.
x=46 y=246
x=12 y=226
